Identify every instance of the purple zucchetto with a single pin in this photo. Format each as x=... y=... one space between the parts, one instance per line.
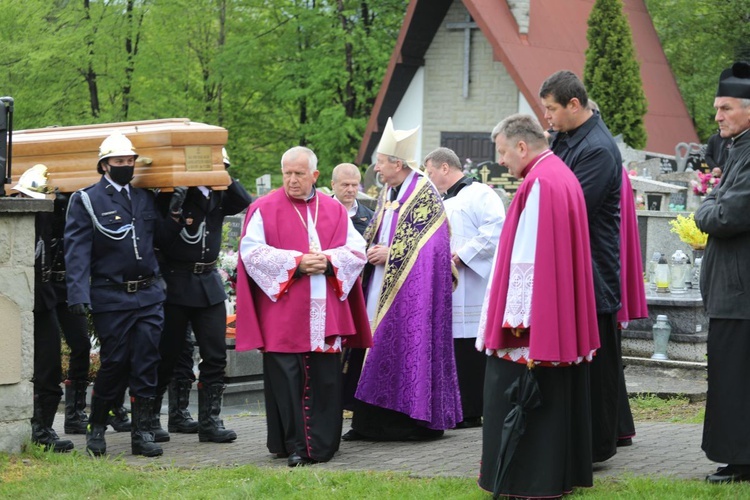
x=735 y=81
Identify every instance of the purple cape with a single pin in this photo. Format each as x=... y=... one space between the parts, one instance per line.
x=411 y=366
x=632 y=288
x=562 y=325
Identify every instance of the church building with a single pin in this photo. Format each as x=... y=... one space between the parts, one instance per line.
x=461 y=66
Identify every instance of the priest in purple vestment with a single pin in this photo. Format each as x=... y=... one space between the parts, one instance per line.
x=300 y=301
x=539 y=316
x=408 y=387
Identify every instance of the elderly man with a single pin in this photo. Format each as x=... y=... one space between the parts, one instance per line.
x=345 y=183
x=299 y=300
x=585 y=144
x=476 y=215
x=408 y=389
x=538 y=326
x=725 y=285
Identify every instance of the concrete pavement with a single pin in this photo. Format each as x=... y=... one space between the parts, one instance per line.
x=659 y=449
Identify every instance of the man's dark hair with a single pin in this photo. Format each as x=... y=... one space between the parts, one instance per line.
x=564 y=86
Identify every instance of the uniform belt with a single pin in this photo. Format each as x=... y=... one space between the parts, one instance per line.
x=132 y=286
x=193 y=267
x=58 y=275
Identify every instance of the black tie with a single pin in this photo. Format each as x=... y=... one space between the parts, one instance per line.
x=124 y=193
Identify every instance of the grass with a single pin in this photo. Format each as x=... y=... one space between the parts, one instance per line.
x=650 y=408
x=37 y=474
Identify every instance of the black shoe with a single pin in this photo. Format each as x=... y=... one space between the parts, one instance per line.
x=729 y=474
x=625 y=442
x=295 y=460
x=468 y=423
x=118 y=419
x=353 y=435
x=96 y=446
x=210 y=426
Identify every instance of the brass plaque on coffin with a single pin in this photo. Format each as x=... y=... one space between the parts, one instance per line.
x=198 y=159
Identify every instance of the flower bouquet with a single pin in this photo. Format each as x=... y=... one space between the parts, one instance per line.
x=705 y=183
x=688 y=232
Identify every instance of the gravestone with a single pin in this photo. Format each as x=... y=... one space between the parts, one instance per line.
x=263 y=184
x=233 y=225
x=495 y=175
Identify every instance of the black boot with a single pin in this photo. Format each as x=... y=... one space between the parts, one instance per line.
x=118 y=415
x=76 y=419
x=42 y=432
x=141 y=437
x=211 y=427
x=95 y=443
x=180 y=419
x=160 y=435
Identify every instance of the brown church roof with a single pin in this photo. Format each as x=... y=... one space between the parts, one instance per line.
x=556 y=40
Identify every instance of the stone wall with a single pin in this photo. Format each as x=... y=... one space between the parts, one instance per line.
x=16 y=310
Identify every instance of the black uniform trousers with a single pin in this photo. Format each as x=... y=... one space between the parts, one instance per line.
x=209 y=326
x=304 y=412
x=726 y=434
x=606 y=370
x=129 y=350
x=75 y=329
x=47 y=364
x=183 y=369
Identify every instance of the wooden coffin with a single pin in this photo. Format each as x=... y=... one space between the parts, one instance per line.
x=172 y=152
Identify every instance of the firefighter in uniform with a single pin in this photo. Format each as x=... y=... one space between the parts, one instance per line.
x=112 y=272
x=47 y=367
x=196 y=297
x=73 y=327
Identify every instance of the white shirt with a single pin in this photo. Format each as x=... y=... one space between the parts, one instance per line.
x=476 y=215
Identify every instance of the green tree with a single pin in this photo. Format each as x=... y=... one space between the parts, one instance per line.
x=612 y=73
x=700 y=38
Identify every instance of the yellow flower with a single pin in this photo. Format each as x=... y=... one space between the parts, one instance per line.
x=688 y=232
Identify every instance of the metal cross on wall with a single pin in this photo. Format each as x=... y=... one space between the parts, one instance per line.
x=467 y=26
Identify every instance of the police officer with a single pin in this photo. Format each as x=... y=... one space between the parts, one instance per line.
x=195 y=297
x=112 y=272
x=47 y=367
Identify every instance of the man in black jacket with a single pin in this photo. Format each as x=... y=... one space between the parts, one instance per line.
x=585 y=144
x=195 y=297
x=345 y=183
x=725 y=285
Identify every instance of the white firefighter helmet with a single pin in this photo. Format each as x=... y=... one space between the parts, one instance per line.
x=225 y=156
x=33 y=182
x=115 y=145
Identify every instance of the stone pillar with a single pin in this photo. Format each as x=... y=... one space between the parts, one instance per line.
x=16 y=310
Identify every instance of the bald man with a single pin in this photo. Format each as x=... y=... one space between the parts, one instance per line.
x=345 y=183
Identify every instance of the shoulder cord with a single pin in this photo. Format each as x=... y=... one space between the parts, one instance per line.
x=117 y=234
x=200 y=236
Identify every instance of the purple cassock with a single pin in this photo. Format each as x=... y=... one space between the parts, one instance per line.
x=411 y=367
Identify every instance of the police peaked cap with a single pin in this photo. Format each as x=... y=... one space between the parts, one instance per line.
x=735 y=81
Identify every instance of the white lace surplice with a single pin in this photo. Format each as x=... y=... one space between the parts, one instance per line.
x=271 y=269
x=521 y=279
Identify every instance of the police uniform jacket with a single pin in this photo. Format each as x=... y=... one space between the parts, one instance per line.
x=57 y=248
x=188 y=260
x=99 y=261
x=362 y=218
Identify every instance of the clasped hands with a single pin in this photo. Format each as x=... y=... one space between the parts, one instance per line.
x=313 y=263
